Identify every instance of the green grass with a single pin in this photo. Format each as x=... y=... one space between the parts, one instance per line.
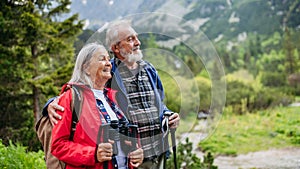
x=239 y=134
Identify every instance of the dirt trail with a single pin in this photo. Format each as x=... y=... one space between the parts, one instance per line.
x=286 y=158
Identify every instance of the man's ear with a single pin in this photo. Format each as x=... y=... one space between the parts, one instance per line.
x=115 y=49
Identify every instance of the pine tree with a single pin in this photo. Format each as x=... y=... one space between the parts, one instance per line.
x=36 y=47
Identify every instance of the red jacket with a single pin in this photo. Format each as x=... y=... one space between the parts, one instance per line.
x=79 y=153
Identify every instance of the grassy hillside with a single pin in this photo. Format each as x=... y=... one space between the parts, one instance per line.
x=238 y=134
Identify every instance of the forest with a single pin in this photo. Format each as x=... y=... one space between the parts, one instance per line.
x=38 y=50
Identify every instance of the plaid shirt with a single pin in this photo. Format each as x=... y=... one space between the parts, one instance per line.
x=142 y=109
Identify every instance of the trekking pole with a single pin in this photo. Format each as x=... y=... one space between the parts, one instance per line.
x=173 y=138
x=174 y=146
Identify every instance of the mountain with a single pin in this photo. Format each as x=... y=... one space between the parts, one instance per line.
x=219 y=20
x=98 y=12
x=233 y=17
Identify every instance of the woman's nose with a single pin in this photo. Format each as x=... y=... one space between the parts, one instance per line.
x=107 y=63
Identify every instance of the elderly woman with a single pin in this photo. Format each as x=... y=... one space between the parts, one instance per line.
x=86 y=146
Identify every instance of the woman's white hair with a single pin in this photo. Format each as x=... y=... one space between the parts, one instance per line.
x=112 y=32
x=83 y=62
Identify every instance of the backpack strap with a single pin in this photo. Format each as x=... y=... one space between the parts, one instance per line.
x=76 y=109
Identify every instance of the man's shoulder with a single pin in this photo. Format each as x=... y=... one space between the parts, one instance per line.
x=148 y=65
x=113 y=64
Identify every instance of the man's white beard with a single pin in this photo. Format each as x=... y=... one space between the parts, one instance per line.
x=132 y=58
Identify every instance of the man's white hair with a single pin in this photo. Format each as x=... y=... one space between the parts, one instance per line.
x=112 y=32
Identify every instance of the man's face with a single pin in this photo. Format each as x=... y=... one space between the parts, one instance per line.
x=129 y=45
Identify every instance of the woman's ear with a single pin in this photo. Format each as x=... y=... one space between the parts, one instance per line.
x=85 y=69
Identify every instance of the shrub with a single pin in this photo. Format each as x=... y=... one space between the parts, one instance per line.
x=188 y=160
x=17 y=157
x=270 y=97
x=242 y=98
x=239 y=96
x=273 y=79
x=204 y=87
x=25 y=135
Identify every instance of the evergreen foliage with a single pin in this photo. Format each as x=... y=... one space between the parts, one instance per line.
x=36 y=51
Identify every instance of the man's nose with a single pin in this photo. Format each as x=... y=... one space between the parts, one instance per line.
x=137 y=42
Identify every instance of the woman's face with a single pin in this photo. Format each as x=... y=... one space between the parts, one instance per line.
x=99 y=68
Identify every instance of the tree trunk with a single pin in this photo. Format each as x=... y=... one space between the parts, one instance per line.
x=36 y=104
x=35 y=90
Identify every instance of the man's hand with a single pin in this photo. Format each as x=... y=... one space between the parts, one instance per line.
x=136 y=157
x=174 y=120
x=52 y=107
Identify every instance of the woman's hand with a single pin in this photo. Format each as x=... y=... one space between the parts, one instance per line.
x=136 y=157
x=105 y=151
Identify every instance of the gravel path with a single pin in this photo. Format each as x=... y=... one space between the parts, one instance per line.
x=287 y=158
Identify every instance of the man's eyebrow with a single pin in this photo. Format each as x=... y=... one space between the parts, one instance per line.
x=132 y=35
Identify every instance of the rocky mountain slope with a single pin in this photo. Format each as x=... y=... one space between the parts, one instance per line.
x=218 y=19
